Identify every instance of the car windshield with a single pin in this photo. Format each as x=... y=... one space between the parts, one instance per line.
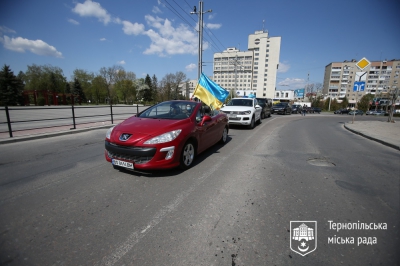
x=175 y=110
x=280 y=104
x=240 y=102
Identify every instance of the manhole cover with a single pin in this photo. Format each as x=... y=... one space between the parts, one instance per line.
x=320 y=162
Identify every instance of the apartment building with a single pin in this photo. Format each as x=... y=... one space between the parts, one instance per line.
x=381 y=79
x=249 y=72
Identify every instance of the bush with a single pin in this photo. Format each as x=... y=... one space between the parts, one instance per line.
x=40 y=101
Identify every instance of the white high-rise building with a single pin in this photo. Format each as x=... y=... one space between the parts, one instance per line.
x=252 y=71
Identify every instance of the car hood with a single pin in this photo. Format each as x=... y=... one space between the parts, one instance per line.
x=237 y=108
x=279 y=107
x=144 y=128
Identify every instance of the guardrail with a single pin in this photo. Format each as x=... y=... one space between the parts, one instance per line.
x=60 y=116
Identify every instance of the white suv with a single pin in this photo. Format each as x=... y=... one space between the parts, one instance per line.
x=243 y=111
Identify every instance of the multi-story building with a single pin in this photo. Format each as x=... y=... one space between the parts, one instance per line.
x=381 y=79
x=252 y=71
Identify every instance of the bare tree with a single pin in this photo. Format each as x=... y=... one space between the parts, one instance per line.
x=110 y=75
x=318 y=87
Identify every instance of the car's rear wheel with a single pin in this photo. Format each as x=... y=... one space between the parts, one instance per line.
x=187 y=155
x=224 y=137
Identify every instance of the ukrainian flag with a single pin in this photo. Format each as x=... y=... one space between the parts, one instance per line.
x=210 y=92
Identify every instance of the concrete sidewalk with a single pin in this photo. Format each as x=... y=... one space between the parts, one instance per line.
x=381 y=131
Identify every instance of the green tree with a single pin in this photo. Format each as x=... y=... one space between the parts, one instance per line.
x=155 y=88
x=78 y=91
x=85 y=79
x=363 y=104
x=148 y=92
x=11 y=87
x=99 y=89
x=345 y=102
x=44 y=78
x=335 y=105
x=142 y=87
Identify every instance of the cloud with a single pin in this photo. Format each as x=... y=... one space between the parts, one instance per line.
x=212 y=26
x=293 y=83
x=92 y=9
x=38 y=47
x=73 y=21
x=156 y=10
x=283 y=67
x=122 y=62
x=190 y=67
x=6 y=30
x=130 y=28
x=103 y=39
x=167 y=40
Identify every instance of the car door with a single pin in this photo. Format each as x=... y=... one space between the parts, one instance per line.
x=207 y=133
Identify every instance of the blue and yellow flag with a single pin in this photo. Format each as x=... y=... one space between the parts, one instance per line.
x=210 y=92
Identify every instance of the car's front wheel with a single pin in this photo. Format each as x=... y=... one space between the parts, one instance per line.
x=252 y=123
x=187 y=155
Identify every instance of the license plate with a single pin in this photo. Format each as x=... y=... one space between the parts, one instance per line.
x=122 y=163
x=232 y=116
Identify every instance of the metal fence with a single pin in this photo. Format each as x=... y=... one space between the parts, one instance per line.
x=30 y=119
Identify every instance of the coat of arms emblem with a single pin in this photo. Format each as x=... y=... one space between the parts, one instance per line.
x=303 y=237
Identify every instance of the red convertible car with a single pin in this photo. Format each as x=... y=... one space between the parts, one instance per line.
x=167 y=135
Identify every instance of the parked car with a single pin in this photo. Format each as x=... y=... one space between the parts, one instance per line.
x=370 y=112
x=316 y=110
x=281 y=108
x=297 y=109
x=379 y=112
x=167 y=135
x=243 y=111
x=356 y=112
x=337 y=111
x=266 y=104
x=343 y=111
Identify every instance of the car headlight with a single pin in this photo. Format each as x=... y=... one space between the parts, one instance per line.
x=245 y=112
x=166 y=137
x=108 y=134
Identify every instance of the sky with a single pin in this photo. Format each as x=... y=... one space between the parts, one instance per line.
x=159 y=37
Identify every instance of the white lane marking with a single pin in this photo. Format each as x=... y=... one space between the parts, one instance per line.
x=135 y=237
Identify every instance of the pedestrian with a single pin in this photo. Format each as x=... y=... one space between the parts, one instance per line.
x=304 y=110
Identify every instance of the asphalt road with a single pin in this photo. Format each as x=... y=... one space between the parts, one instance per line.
x=61 y=203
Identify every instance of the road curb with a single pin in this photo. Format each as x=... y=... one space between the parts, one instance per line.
x=372 y=138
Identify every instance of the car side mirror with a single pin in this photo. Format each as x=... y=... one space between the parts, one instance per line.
x=258 y=106
x=205 y=119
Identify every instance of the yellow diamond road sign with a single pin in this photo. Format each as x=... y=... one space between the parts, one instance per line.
x=363 y=63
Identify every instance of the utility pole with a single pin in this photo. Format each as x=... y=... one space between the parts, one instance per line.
x=200 y=59
x=236 y=63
